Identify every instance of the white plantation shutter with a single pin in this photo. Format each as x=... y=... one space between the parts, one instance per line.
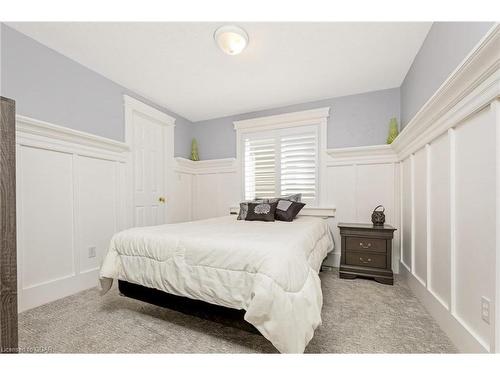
x=260 y=168
x=298 y=164
x=281 y=162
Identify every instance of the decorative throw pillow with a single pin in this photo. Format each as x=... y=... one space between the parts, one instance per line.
x=261 y=211
x=243 y=211
x=291 y=197
x=244 y=205
x=287 y=210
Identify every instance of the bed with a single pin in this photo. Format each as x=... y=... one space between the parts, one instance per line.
x=268 y=269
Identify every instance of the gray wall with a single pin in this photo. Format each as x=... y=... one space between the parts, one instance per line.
x=51 y=87
x=355 y=120
x=446 y=45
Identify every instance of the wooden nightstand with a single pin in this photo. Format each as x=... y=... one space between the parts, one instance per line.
x=366 y=251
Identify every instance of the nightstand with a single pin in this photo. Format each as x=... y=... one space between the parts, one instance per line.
x=366 y=250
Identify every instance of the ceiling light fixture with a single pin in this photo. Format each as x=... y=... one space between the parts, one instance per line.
x=231 y=39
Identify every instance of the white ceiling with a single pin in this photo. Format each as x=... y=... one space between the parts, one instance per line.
x=179 y=66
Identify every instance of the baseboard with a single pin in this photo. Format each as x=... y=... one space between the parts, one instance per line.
x=457 y=332
x=48 y=292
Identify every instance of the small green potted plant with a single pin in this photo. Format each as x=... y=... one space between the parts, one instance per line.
x=194 y=150
x=393 y=130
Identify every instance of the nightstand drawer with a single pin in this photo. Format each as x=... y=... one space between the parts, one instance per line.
x=366 y=259
x=366 y=244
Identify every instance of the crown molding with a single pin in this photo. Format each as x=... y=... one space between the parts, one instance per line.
x=291 y=119
x=140 y=107
x=361 y=155
x=27 y=127
x=473 y=85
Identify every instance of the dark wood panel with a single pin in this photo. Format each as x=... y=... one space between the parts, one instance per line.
x=366 y=244
x=366 y=259
x=8 y=256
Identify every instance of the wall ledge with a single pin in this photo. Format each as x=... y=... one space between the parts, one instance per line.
x=361 y=155
x=32 y=129
x=226 y=165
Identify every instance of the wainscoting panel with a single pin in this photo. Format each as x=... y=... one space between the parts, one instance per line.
x=420 y=215
x=96 y=209
x=406 y=223
x=341 y=194
x=450 y=175
x=215 y=193
x=358 y=180
x=374 y=186
x=439 y=276
x=475 y=221
x=206 y=203
x=180 y=203
x=229 y=192
x=71 y=196
x=211 y=186
x=45 y=225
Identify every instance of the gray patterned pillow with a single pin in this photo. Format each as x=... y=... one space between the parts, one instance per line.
x=243 y=211
x=293 y=197
x=287 y=210
x=261 y=211
x=244 y=208
x=244 y=205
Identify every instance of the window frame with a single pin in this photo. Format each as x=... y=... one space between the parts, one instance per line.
x=314 y=117
x=277 y=134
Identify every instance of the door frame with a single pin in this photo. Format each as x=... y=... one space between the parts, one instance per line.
x=132 y=107
x=8 y=251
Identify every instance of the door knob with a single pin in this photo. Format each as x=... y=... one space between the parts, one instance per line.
x=162 y=200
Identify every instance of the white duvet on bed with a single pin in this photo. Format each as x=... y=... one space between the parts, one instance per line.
x=269 y=269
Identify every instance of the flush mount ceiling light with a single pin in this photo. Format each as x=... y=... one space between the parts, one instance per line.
x=231 y=39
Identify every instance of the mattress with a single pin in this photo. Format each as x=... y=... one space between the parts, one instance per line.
x=268 y=269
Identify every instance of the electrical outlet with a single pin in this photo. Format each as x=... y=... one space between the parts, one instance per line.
x=92 y=252
x=485 y=309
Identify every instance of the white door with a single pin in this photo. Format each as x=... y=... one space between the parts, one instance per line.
x=149 y=167
x=148 y=131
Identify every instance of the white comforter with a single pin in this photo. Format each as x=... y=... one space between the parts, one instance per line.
x=269 y=269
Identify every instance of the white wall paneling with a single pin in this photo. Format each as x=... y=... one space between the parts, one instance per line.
x=97 y=205
x=439 y=260
x=406 y=214
x=342 y=195
x=359 y=179
x=71 y=197
x=475 y=221
x=214 y=186
x=450 y=200
x=419 y=261
x=180 y=204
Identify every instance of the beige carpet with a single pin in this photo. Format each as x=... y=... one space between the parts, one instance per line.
x=359 y=316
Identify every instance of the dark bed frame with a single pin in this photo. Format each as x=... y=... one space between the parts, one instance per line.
x=199 y=309
x=223 y=315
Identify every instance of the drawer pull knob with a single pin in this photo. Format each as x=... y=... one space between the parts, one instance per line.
x=367 y=246
x=367 y=261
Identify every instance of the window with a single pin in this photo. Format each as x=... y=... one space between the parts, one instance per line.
x=281 y=162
